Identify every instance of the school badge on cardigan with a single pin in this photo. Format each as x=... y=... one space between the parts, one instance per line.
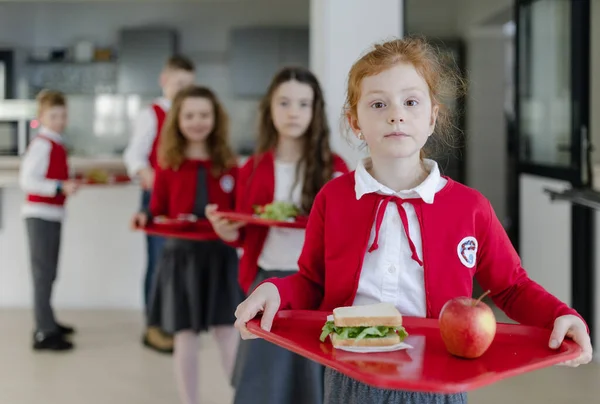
x=227 y=182
x=467 y=251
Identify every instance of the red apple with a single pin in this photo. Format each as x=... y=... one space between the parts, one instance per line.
x=468 y=326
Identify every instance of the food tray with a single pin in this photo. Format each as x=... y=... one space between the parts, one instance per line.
x=296 y=223
x=427 y=366
x=198 y=230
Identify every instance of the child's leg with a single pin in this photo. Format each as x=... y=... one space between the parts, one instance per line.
x=186 y=366
x=44 y=246
x=154 y=338
x=151 y=254
x=228 y=339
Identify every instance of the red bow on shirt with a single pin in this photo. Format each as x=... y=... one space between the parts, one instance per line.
x=381 y=212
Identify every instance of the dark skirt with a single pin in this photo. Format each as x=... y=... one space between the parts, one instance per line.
x=267 y=374
x=340 y=389
x=195 y=286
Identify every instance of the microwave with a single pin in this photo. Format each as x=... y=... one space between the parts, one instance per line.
x=17 y=126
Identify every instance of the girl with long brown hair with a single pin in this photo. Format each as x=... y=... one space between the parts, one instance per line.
x=195 y=287
x=293 y=160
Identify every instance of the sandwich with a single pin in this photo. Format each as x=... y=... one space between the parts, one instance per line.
x=373 y=325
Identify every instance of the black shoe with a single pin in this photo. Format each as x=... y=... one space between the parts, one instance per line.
x=51 y=342
x=65 y=329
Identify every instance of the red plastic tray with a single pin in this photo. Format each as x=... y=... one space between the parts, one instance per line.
x=297 y=223
x=200 y=230
x=427 y=367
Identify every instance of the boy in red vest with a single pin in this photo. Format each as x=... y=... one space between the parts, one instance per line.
x=140 y=159
x=44 y=178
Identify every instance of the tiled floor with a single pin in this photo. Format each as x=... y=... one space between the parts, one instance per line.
x=111 y=367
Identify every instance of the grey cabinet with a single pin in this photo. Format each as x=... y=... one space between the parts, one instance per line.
x=142 y=56
x=258 y=53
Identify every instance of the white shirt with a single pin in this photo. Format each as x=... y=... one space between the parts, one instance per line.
x=32 y=177
x=283 y=246
x=389 y=274
x=140 y=144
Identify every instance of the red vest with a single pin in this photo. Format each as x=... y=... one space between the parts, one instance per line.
x=58 y=169
x=256 y=187
x=462 y=239
x=160 y=120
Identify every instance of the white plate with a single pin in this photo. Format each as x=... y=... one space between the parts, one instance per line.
x=372 y=349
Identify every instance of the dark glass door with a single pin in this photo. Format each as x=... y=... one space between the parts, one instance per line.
x=550 y=136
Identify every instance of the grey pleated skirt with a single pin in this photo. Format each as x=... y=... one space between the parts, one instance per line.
x=267 y=374
x=195 y=286
x=340 y=389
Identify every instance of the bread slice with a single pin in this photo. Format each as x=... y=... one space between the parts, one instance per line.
x=391 y=339
x=372 y=315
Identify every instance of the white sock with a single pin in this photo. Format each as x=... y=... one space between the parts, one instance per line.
x=185 y=355
x=228 y=339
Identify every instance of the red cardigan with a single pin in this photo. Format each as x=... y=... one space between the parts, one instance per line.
x=336 y=241
x=174 y=191
x=256 y=186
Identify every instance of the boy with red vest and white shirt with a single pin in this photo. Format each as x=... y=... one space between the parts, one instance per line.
x=44 y=178
x=141 y=161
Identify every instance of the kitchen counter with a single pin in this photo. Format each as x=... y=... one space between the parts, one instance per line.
x=9 y=167
x=102 y=261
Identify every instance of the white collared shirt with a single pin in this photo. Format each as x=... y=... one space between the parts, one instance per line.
x=140 y=144
x=283 y=246
x=389 y=274
x=32 y=177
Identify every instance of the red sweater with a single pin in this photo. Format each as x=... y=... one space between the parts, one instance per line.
x=256 y=188
x=175 y=191
x=336 y=241
x=58 y=169
x=160 y=120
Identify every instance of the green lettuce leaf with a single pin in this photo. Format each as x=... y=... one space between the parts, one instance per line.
x=359 y=333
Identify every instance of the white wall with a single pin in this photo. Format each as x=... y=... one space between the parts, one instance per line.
x=485 y=123
x=336 y=44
